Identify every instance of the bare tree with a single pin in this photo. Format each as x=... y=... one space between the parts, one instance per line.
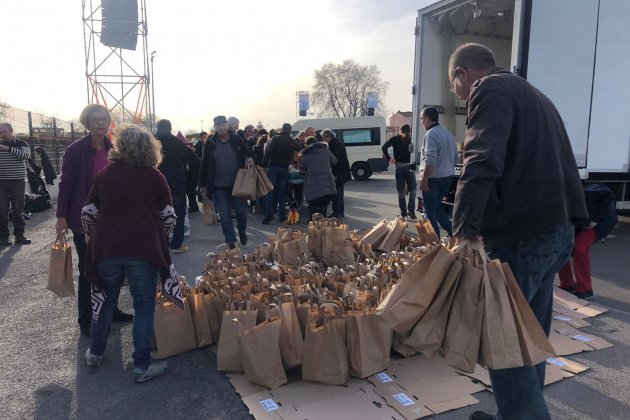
x=341 y=90
x=4 y=111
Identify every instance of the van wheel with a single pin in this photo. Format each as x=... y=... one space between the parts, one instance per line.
x=361 y=171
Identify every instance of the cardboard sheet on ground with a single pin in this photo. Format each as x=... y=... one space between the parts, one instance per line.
x=569 y=304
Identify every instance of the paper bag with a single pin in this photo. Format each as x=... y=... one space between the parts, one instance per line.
x=500 y=346
x=200 y=318
x=463 y=328
x=228 y=355
x=208 y=211
x=535 y=345
x=375 y=235
x=369 y=342
x=245 y=184
x=60 y=268
x=263 y=184
x=333 y=234
x=396 y=229
x=426 y=233
x=428 y=334
x=291 y=339
x=325 y=357
x=259 y=348
x=173 y=329
x=314 y=238
x=214 y=311
x=409 y=300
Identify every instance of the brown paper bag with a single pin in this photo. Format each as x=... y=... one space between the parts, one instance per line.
x=426 y=233
x=228 y=355
x=535 y=345
x=173 y=329
x=463 y=328
x=259 y=348
x=200 y=318
x=428 y=334
x=369 y=342
x=245 y=184
x=291 y=339
x=396 y=229
x=375 y=235
x=325 y=357
x=314 y=238
x=263 y=183
x=214 y=311
x=401 y=348
x=333 y=234
x=408 y=301
x=500 y=346
x=60 y=268
x=208 y=211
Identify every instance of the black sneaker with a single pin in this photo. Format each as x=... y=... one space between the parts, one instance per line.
x=22 y=240
x=267 y=220
x=412 y=216
x=85 y=331
x=570 y=289
x=5 y=242
x=231 y=245
x=242 y=236
x=480 y=415
x=587 y=295
x=120 y=316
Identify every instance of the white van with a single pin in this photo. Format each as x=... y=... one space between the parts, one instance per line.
x=363 y=137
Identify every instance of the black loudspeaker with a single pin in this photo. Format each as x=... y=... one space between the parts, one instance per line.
x=120 y=23
x=302 y=113
x=370 y=112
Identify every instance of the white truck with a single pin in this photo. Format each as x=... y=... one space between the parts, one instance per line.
x=577 y=52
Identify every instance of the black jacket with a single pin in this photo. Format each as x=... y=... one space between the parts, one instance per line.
x=519 y=177
x=280 y=151
x=341 y=170
x=49 y=170
x=402 y=149
x=206 y=173
x=194 y=164
x=600 y=203
x=199 y=149
x=174 y=160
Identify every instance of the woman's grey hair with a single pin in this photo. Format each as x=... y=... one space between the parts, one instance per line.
x=327 y=132
x=90 y=110
x=135 y=146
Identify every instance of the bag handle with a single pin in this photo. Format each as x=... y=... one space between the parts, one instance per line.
x=61 y=241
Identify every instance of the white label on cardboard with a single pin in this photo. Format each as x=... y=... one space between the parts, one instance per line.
x=403 y=399
x=562 y=318
x=582 y=338
x=269 y=405
x=556 y=362
x=383 y=377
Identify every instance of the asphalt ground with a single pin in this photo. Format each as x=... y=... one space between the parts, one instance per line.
x=44 y=375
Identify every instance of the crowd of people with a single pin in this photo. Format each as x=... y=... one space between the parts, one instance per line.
x=519 y=191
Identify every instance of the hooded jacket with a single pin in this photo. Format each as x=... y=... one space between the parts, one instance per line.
x=317 y=162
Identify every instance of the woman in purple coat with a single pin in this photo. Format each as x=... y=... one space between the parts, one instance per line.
x=82 y=160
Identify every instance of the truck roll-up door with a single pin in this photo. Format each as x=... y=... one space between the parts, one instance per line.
x=560 y=59
x=609 y=136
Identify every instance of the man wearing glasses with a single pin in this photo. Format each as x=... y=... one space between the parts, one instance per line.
x=519 y=190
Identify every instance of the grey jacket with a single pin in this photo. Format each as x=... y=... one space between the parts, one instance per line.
x=317 y=162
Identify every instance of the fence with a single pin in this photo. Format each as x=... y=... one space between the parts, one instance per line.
x=53 y=134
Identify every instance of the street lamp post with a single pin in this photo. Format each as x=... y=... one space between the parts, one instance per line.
x=201 y=127
x=153 y=90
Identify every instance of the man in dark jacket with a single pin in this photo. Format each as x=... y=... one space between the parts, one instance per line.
x=277 y=159
x=223 y=156
x=199 y=145
x=341 y=170
x=173 y=167
x=192 y=178
x=600 y=203
x=519 y=190
x=404 y=174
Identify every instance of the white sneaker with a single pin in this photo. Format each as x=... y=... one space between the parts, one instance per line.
x=154 y=370
x=93 y=360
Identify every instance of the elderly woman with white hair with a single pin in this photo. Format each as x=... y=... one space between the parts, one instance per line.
x=82 y=160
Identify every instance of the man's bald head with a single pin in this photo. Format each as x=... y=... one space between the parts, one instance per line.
x=471 y=56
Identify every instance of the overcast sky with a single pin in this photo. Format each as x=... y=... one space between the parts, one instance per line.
x=240 y=57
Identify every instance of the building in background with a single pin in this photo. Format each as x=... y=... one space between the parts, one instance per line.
x=397 y=120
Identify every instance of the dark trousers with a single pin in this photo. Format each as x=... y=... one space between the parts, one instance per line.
x=12 y=194
x=179 y=204
x=191 y=192
x=84 y=295
x=405 y=176
x=320 y=205
x=518 y=392
x=433 y=207
x=295 y=194
x=338 y=207
x=278 y=197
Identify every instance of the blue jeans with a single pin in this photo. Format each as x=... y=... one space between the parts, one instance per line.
x=179 y=204
x=338 y=207
x=141 y=277
x=278 y=197
x=404 y=175
x=433 y=207
x=224 y=202
x=518 y=392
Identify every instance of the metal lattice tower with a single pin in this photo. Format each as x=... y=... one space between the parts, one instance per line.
x=119 y=79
